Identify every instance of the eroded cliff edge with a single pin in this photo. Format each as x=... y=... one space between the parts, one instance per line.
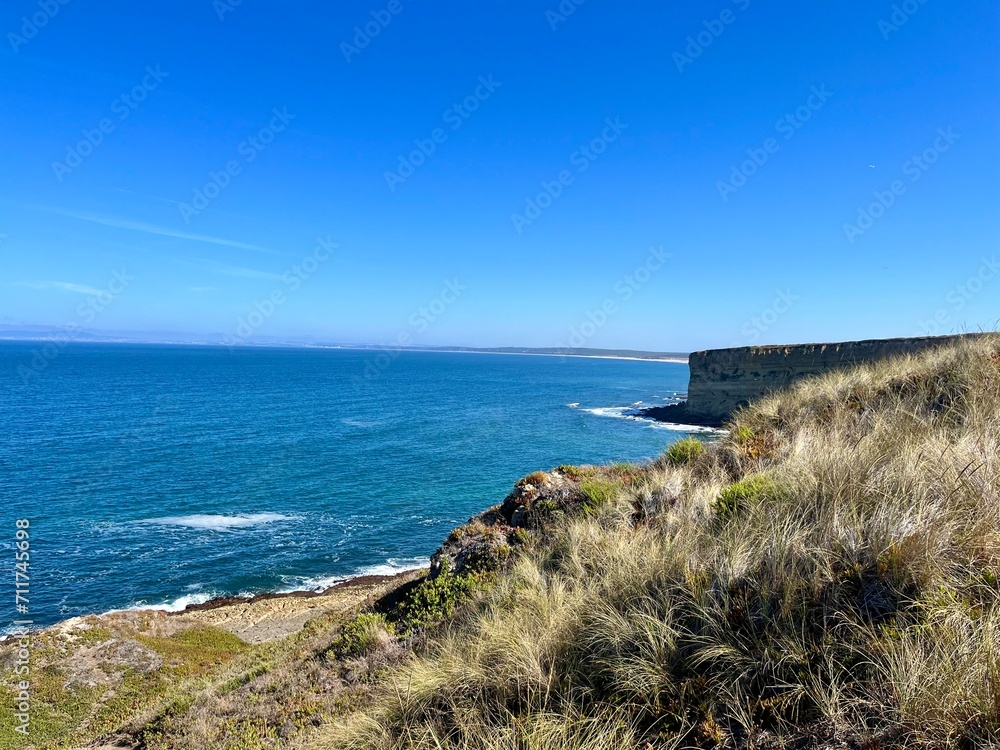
x=722 y=380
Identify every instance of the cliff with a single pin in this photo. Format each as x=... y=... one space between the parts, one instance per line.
x=722 y=380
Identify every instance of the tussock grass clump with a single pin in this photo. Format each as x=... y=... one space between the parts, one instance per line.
x=363 y=635
x=828 y=572
x=597 y=491
x=684 y=451
x=751 y=491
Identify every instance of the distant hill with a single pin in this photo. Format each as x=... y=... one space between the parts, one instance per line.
x=24 y=332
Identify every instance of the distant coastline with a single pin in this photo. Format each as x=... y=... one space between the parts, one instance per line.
x=38 y=335
x=651 y=356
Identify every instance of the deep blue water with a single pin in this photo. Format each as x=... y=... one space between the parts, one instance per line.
x=161 y=475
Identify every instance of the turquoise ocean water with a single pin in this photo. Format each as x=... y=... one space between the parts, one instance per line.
x=167 y=475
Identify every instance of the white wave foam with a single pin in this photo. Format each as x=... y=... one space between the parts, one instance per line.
x=618 y=412
x=10 y=632
x=177 y=605
x=359 y=422
x=218 y=522
x=685 y=427
x=625 y=412
x=390 y=567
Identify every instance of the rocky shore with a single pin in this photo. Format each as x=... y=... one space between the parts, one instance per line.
x=680 y=414
x=254 y=619
x=270 y=616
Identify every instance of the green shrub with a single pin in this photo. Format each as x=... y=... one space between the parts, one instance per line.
x=522 y=537
x=489 y=558
x=574 y=472
x=597 y=491
x=434 y=600
x=740 y=495
x=546 y=507
x=684 y=451
x=362 y=635
x=95 y=635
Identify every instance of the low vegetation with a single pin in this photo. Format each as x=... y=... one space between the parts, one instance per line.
x=684 y=451
x=96 y=679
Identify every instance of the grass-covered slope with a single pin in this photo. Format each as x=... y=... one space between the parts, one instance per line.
x=826 y=574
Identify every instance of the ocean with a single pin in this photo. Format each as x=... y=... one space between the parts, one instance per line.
x=160 y=476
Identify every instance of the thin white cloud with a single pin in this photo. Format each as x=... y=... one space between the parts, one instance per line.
x=65 y=286
x=240 y=271
x=180 y=203
x=161 y=231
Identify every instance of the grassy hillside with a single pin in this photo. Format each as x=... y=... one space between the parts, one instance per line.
x=825 y=575
x=828 y=573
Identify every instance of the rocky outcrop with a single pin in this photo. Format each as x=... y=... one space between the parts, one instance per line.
x=722 y=380
x=485 y=542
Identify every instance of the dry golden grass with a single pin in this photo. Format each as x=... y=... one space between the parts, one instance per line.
x=829 y=571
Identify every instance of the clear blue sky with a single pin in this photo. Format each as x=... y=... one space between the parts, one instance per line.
x=751 y=259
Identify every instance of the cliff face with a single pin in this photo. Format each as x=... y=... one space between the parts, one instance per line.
x=722 y=380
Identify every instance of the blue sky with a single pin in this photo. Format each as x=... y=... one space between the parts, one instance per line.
x=502 y=174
